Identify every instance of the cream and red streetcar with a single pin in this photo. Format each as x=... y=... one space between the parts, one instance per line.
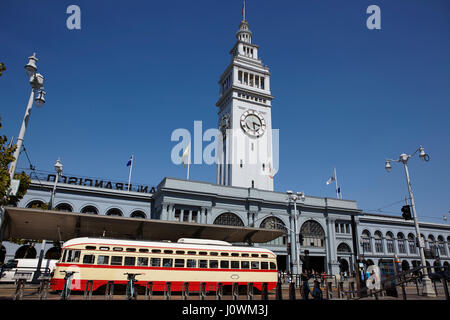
x=192 y=261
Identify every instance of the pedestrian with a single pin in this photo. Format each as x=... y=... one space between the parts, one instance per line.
x=317 y=292
x=305 y=286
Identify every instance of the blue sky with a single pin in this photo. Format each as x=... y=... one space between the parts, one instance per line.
x=345 y=96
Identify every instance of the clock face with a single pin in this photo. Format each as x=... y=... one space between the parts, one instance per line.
x=253 y=124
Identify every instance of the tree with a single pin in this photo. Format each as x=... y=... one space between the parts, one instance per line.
x=6 y=157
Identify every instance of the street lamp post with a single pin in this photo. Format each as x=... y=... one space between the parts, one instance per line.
x=59 y=170
x=293 y=230
x=427 y=285
x=37 y=95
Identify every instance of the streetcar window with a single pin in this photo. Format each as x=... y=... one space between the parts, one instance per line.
x=69 y=256
x=255 y=255
x=143 y=250
x=104 y=248
x=130 y=249
x=264 y=265
x=74 y=256
x=64 y=256
x=203 y=253
x=91 y=247
x=117 y=249
x=213 y=264
x=88 y=258
x=245 y=265
x=244 y=254
x=142 y=262
x=264 y=256
x=192 y=252
x=203 y=263
x=224 y=264
x=155 y=262
x=273 y=266
x=224 y=254
x=191 y=263
x=167 y=263
x=156 y=251
x=168 y=251
x=213 y=253
x=255 y=264
x=129 y=261
x=179 y=252
x=103 y=260
x=235 y=254
x=179 y=263
x=116 y=261
x=234 y=264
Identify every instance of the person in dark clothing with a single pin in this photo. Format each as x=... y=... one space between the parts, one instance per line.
x=305 y=287
x=317 y=292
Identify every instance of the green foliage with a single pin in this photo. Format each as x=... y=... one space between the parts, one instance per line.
x=6 y=157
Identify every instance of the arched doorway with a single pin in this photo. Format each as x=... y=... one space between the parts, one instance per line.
x=312 y=236
x=114 y=212
x=278 y=224
x=405 y=265
x=343 y=265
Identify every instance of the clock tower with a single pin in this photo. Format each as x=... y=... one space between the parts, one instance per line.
x=245 y=158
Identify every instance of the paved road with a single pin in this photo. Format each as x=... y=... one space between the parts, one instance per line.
x=31 y=293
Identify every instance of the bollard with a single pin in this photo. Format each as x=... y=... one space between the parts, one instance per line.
x=202 y=290
x=279 y=293
x=219 y=291
x=264 y=293
x=109 y=292
x=444 y=282
x=292 y=290
x=88 y=290
x=250 y=291
x=235 y=290
x=43 y=289
x=167 y=290
x=149 y=290
x=20 y=285
x=185 y=292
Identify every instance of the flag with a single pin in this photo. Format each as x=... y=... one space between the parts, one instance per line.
x=185 y=154
x=130 y=161
x=333 y=178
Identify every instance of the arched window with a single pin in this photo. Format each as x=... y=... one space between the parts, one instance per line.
x=390 y=242
x=138 y=214
x=229 y=219
x=114 y=212
x=53 y=253
x=35 y=204
x=312 y=234
x=412 y=244
x=405 y=265
x=277 y=224
x=365 y=240
x=441 y=246
x=378 y=238
x=90 y=210
x=343 y=248
x=401 y=243
x=25 y=252
x=64 y=207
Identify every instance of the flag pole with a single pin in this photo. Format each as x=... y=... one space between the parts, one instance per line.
x=131 y=169
x=338 y=193
x=189 y=163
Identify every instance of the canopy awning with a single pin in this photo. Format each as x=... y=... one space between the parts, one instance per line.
x=41 y=224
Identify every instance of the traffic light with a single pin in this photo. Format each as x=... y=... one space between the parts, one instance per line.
x=406 y=212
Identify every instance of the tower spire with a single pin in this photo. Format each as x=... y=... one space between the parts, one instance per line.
x=243 y=10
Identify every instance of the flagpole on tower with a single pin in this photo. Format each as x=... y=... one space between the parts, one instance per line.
x=243 y=10
x=131 y=169
x=337 y=187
